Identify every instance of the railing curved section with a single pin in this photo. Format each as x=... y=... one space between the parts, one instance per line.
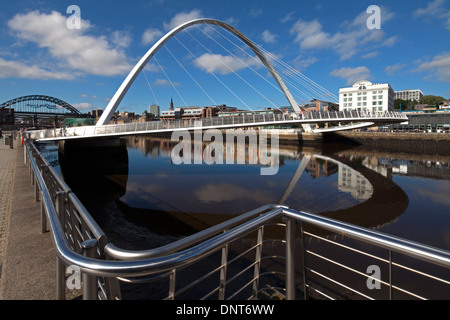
x=196 y=247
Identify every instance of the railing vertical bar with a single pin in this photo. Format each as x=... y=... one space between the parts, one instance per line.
x=303 y=250
x=60 y=280
x=258 y=255
x=89 y=248
x=172 y=282
x=223 y=273
x=43 y=217
x=391 y=291
x=290 y=259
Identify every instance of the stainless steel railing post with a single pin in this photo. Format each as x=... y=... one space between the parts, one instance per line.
x=258 y=256
x=89 y=249
x=60 y=280
x=305 y=289
x=391 y=292
x=60 y=205
x=290 y=259
x=223 y=272
x=44 y=228
x=172 y=283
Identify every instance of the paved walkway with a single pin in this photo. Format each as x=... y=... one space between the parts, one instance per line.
x=27 y=255
x=7 y=169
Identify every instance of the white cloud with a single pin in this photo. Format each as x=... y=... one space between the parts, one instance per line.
x=391 y=70
x=370 y=55
x=74 y=49
x=268 y=37
x=436 y=10
x=254 y=13
x=287 y=17
x=306 y=33
x=347 y=42
x=15 y=69
x=151 y=35
x=352 y=75
x=223 y=64
x=83 y=106
x=164 y=82
x=152 y=67
x=181 y=18
x=389 y=42
x=121 y=39
x=302 y=63
x=438 y=68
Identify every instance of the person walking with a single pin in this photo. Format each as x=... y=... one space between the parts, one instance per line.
x=1 y=135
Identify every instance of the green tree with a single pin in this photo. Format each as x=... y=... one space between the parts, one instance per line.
x=400 y=104
x=432 y=100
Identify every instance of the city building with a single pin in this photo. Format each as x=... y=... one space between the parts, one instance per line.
x=153 y=110
x=445 y=104
x=195 y=112
x=319 y=105
x=95 y=113
x=6 y=115
x=235 y=112
x=409 y=95
x=366 y=96
x=436 y=121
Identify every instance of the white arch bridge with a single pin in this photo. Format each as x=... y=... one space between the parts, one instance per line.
x=338 y=120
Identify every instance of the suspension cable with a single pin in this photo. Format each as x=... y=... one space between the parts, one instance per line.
x=246 y=64
x=170 y=81
x=293 y=73
x=148 y=82
x=308 y=97
x=232 y=92
x=181 y=65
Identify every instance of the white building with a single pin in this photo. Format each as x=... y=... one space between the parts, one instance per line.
x=355 y=183
x=409 y=95
x=367 y=96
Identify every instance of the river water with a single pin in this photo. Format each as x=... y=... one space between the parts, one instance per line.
x=142 y=198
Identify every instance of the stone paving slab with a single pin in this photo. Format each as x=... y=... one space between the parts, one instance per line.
x=7 y=169
x=29 y=261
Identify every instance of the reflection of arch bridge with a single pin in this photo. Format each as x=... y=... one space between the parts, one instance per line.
x=345 y=120
x=40 y=105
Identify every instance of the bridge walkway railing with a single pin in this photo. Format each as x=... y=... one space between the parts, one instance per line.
x=271 y=119
x=268 y=253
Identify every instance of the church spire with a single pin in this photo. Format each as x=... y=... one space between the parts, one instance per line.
x=171 y=104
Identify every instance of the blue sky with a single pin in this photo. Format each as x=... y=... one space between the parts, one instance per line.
x=327 y=41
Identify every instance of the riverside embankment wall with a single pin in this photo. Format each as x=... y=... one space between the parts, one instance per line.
x=425 y=143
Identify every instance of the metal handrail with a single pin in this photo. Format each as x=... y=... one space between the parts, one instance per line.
x=407 y=247
x=191 y=249
x=205 y=123
x=122 y=254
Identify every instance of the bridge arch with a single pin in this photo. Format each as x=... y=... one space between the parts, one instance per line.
x=50 y=105
x=120 y=93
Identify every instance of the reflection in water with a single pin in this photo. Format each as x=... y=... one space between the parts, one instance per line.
x=137 y=194
x=95 y=168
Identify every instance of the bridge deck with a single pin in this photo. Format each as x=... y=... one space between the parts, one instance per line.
x=346 y=121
